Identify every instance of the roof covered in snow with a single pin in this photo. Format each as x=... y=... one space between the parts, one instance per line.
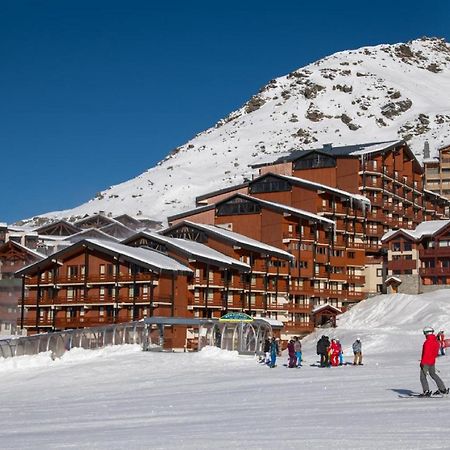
x=428 y=228
x=147 y=258
x=194 y=249
x=318 y=186
x=283 y=208
x=238 y=239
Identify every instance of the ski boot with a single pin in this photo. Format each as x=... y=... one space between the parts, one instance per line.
x=426 y=394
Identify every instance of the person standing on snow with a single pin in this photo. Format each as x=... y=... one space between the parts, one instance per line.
x=441 y=339
x=267 y=351
x=274 y=349
x=322 y=350
x=430 y=350
x=291 y=352
x=357 y=351
x=334 y=353
x=341 y=355
x=298 y=351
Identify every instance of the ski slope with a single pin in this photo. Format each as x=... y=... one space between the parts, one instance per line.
x=121 y=397
x=370 y=94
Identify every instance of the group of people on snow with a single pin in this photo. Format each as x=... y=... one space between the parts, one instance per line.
x=272 y=350
x=331 y=354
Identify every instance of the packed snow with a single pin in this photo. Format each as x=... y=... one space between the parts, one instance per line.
x=371 y=94
x=120 y=397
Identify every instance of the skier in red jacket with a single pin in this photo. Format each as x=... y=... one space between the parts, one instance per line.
x=334 y=353
x=430 y=351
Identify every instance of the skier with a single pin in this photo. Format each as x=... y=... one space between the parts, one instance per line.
x=430 y=351
x=298 y=351
x=267 y=351
x=441 y=340
x=341 y=354
x=334 y=353
x=322 y=350
x=274 y=349
x=357 y=351
x=291 y=352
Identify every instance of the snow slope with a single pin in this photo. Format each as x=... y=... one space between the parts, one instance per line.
x=370 y=94
x=120 y=397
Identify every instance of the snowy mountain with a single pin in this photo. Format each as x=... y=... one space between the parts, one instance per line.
x=120 y=397
x=371 y=94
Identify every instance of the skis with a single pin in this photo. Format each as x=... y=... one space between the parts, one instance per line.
x=417 y=395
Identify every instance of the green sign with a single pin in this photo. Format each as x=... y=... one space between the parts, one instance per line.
x=236 y=317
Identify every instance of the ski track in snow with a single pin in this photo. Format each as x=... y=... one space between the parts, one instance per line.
x=121 y=397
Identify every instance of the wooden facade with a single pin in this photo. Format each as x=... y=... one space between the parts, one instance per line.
x=421 y=255
x=97 y=283
x=437 y=173
x=13 y=257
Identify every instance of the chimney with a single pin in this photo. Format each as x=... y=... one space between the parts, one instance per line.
x=327 y=146
x=426 y=150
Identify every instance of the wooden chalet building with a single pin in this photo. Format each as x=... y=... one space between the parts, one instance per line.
x=437 y=172
x=99 y=282
x=13 y=257
x=265 y=290
x=217 y=282
x=321 y=273
x=387 y=173
x=418 y=260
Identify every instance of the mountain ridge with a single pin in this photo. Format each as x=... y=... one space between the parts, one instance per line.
x=380 y=93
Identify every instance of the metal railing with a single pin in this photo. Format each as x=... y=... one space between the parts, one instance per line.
x=88 y=338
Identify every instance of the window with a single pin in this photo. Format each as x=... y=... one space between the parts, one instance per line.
x=72 y=271
x=270 y=184
x=314 y=161
x=238 y=206
x=396 y=246
x=379 y=272
x=407 y=246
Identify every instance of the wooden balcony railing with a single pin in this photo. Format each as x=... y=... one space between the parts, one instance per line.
x=299 y=327
x=434 y=271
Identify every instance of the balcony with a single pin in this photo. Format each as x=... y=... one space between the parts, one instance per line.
x=435 y=252
x=357 y=279
x=434 y=271
x=294 y=308
x=298 y=327
x=402 y=264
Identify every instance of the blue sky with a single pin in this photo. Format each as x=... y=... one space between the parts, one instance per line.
x=92 y=93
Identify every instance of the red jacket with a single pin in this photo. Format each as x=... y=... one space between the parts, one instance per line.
x=430 y=350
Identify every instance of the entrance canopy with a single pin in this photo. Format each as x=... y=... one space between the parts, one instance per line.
x=244 y=336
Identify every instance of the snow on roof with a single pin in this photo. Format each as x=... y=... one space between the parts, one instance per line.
x=102 y=234
x=241 y=239
x=392 y=278
x=27 y=249
x=150 y=257
x=373 y=148
x=427 y=228
x=289 y=209
x=326 y=306
x=324 y=187
x=198 y=249
x=3 y=224
x=272 y=322
x=435 y=194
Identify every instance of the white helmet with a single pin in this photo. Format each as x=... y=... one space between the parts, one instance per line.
x=428 y=330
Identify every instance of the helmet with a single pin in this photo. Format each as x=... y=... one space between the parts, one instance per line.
x=428 y=330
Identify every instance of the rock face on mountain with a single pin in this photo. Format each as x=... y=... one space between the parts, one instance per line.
x=371 y=94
